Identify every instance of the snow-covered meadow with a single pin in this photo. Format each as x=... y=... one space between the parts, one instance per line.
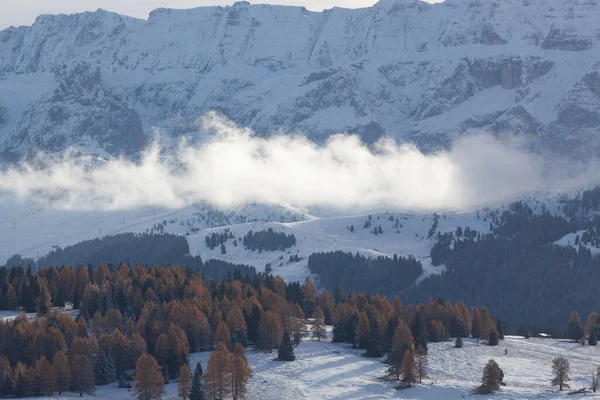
x=324 y=370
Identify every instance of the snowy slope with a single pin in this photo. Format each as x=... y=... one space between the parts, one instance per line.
x=331 y=371
x=415 y=71
x=34 y=231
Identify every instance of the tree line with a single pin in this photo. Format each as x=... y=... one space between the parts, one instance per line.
x=516 y=270
x=357 y=273
x=268 y=240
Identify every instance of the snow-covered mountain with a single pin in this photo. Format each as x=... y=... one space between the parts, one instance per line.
x=416 y=71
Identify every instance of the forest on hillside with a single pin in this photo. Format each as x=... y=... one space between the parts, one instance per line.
x=357 y=273
x=517 y=270
x=138 y=325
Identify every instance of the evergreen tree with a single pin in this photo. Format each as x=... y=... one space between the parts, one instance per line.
x=197 y=389
x=593 y=340
x=459 y=342
x=286 y=348
x=104 y=368
x=419 y=329
x=500 y=328
x=492 y=378
x=493 y=338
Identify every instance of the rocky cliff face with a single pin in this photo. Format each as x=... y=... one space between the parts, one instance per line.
x=415 y=71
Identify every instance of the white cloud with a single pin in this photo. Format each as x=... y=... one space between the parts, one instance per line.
x=24 y=12
x=236 y=167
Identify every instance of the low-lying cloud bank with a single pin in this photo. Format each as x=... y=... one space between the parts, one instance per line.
x=235 y=167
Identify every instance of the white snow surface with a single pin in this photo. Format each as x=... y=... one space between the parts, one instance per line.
x=32 y=231
x=325 y=370
x=419 y=72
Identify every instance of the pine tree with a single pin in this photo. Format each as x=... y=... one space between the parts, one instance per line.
x=493 y=338
x=561 y=370
x=491 y=379
x=593 y=340
x=44 y=300
x=197 y=389
x=318 y=325
x=419 y=329
x=183 y=386
x=104 y=368
x=82 y=374
x=500 y=329
x=63 y=372
x=459 y=342
x=286 y=348
x=148 y=378
x=408 y=368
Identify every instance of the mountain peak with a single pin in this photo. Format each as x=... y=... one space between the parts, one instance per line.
x=425 y=76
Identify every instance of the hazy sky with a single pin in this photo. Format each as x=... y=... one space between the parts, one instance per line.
x=24 y=12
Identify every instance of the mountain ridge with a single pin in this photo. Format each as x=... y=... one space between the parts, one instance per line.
x=418 y=72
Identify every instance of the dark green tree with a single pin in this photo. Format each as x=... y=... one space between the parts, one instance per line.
x=197 y=389
x=493 y=338
x=459 y=342
x=593 y=340
x=286 y=348
x=500 y=328
x=104 y=368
